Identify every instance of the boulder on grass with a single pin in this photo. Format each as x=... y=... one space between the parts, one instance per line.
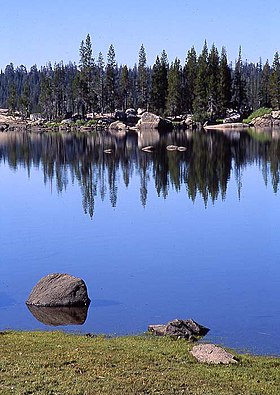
x=210 y=353
x=59 y=290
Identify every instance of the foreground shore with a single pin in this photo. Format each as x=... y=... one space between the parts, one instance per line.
x=60 y=363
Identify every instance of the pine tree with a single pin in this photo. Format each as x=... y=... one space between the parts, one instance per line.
x=238 y=86
x=34 y=84
x=201 y=86
x=189 y=78
x=59 y=90
x=224 y=84
x=100 y=82
x=24 y=101
x=156 y=93
x=275 y=83
x=12 y=98
x=173 y=103
x=142 y=78
x=86 y=79
x=46 y=97
x=213 y=81
x=265 y=86
x=164 y=73
x=252 y=76
x=86 y=58
x=111 y=72
x=159 y=84
x=124 y=87
x=71 y=72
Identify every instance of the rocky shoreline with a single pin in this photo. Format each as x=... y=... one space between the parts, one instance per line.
x=271 y=120
x=120 y=121
x=123 y=121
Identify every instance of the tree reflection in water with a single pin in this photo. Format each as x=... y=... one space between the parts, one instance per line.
x=203 y=169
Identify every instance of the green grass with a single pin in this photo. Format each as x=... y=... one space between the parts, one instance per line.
x=80 y=122
x=52 y=124
x=91 y=122
x=258 y=113
x=52 y=363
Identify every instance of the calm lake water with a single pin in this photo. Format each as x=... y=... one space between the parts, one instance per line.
x=156 y=236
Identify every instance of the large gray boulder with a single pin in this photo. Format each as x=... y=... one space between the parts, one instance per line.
x=117 y=126
x=150 y=120
x=59 y=290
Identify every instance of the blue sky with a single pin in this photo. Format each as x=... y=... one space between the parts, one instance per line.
x=35 y=32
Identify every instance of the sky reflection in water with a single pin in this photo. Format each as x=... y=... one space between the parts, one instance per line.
x=159 y=235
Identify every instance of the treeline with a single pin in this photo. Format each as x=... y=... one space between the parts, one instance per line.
x=206 y=85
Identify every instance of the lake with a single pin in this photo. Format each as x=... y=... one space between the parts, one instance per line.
x=155 y=235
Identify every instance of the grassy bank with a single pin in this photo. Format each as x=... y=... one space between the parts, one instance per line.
x=258 y=113
x=59 y=363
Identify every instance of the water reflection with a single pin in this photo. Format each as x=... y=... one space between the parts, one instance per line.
x=59 y=316
x=203 y=169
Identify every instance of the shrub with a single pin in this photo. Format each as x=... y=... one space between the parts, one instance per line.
x=80 y=122
x=92 y=122
x=258 y=113
x=201 y=116
x=52 y=124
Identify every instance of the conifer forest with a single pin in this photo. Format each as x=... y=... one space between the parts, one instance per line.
x=206 y=85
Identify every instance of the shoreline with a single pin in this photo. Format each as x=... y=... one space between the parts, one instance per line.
x=202 y=340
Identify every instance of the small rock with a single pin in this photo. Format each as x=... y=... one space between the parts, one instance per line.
x=210 y=353
x=140 y=111
x=186 y=329
x=172 y=148
x=159 y=330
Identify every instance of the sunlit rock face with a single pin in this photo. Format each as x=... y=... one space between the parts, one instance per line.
x=59 y=290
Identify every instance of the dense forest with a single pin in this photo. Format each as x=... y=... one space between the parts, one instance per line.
x=206 y=85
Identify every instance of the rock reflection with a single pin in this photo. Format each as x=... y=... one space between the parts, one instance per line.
x=59 y=316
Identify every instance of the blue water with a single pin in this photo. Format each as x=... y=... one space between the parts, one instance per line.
x=146 y=260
